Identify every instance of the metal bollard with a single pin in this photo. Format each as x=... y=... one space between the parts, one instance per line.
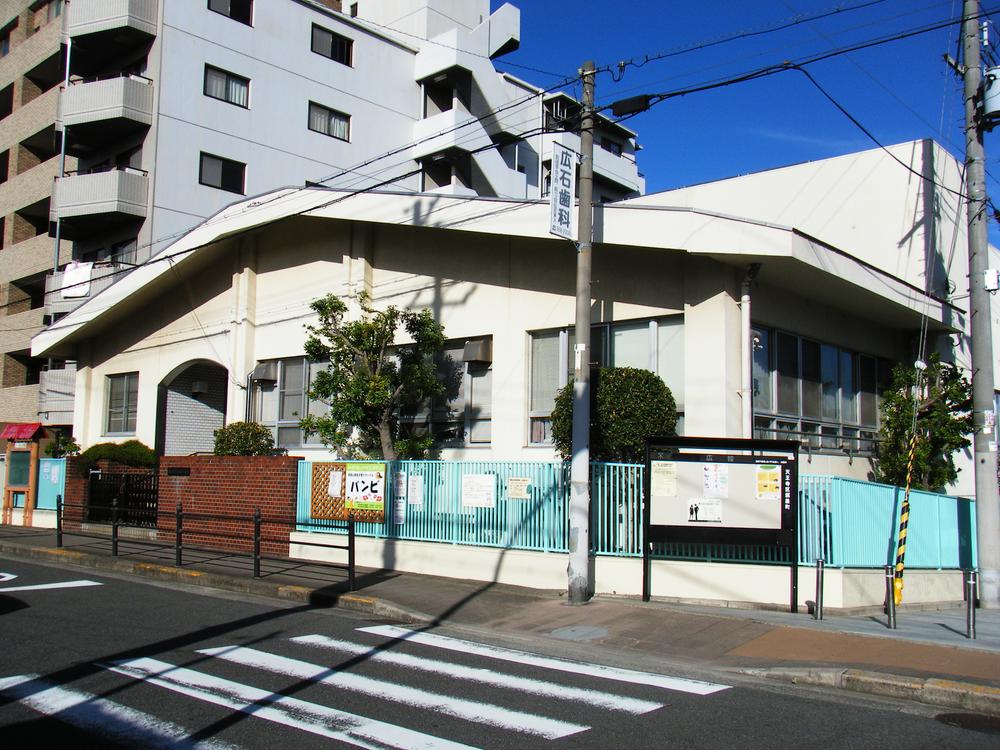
x=178 y=534
x=350 y=553
x=819 y=588
x=256 y=542
x=114 y=527
x=59 y=509
x=971 y=584
x=890 y=598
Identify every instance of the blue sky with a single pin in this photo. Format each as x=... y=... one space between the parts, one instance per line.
x=899 y=91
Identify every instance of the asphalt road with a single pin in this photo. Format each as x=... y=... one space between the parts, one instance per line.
x=108 y=662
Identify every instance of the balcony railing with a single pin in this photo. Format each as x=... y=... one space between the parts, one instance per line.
x=118 y=192
x=95 y=16
x=128 y=99
x=55 y=395
x=62 y=296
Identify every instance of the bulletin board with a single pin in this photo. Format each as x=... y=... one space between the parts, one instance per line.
x=722 y=491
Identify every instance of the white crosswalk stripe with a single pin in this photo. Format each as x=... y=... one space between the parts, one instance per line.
x=88 y=711
x=522 y=657
x=481 y=713
x=452 y=698
x=485 y=676
x=292 y=712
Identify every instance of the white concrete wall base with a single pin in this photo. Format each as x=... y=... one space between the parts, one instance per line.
x=40 y=519
x=725 y=584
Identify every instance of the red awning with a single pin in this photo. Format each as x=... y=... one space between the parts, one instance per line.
x=20 y=431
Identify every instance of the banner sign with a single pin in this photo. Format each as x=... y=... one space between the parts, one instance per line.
x=342 y=489
x=562 y=191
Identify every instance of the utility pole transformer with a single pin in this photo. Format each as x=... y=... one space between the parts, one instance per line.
x=578 y=571
x=984 y=444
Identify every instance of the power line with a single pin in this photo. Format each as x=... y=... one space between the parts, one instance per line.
x=737 y=36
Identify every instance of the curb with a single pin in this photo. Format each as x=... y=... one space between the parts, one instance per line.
x=968 y=696
x=354 y=602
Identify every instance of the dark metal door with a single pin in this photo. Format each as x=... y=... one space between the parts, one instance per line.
x=136 y=496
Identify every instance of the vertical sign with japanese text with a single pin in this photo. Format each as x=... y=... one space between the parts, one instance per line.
x=562 y=192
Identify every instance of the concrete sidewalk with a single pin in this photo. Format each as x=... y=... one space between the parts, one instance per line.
x=927 y=659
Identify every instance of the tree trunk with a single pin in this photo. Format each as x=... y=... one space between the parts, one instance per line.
x=385 y=438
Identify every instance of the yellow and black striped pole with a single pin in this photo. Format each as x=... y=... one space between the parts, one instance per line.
x=904 y=518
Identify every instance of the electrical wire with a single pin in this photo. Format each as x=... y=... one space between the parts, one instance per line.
x=737 y=36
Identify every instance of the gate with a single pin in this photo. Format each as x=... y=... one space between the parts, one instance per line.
x=136 y=496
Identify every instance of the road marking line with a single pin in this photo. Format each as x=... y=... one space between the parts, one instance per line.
x=485 y=676
x=291 y=712
x=4 y=577
x=45 y=586
x=460 y=708
x=681 y=684
x=92 y=713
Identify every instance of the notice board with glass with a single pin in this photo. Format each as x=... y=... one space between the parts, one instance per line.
x=721 y=491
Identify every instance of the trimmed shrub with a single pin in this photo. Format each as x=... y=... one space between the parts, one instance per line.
x=130 y=453
x=244 y=439
x=627 y=406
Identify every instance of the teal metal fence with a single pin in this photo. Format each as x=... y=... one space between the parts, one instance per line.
x=847 y=523
x=854 y=524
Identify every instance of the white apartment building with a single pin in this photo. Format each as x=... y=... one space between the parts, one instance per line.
x=132 y=121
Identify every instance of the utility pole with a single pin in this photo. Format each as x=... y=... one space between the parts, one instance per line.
x=578 y=572
x=984 y=445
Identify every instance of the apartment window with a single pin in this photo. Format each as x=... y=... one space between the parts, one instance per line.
x=5 y=38
x=826 y=397
x=329 y=122
x=224 y=174
x=228 y=87
x=238 y=10
x=338 y=48
x=46 y=12
x=123 y=395
x=280 y=393
x=650 y=344
x=611 y=146
x=463 y=415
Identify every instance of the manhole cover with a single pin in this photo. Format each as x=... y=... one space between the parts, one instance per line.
x=975 y=722
x=579 y=633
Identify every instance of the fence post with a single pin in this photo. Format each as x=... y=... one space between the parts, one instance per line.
x=59 y=539
x=178 y=534
x=890 y=596
x=819 y=588
x=970 y=605
x=256 y=542
x=114 y=527
x=350 y=552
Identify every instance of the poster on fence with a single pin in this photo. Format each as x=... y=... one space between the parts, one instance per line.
x=399 y=485
x=399 y=510
x=340 y=489
x=519 y=488
x=415 y=490
x=479 y=491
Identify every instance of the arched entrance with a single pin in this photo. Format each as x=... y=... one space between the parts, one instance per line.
x=191 y=405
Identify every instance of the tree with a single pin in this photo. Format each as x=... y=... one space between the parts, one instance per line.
x=628 y=405
x=943 y=402
x=370 y=377
x=63 y=444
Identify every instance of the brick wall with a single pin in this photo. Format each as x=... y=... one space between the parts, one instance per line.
x=230 y=485
x=15 y=373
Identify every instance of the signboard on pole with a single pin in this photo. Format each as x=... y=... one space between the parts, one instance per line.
x=562 y=191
